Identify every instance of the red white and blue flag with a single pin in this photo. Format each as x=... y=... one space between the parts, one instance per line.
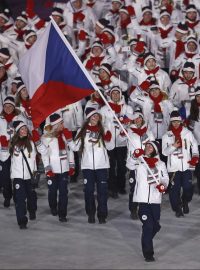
x=53 y=74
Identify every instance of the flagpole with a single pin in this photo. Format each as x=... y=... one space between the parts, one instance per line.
x=97 y=89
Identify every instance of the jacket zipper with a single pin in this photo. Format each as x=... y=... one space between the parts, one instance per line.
x=149 y=194
x=93 y=156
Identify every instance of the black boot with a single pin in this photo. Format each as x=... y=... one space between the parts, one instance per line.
x=185 y=207
x=32 y=216
x=22 y=226
x=91 y=219
x=62 y=219
x=54 y=211
x=179 y=212
x=6 y=203
x=102 y=220
x=150 y=259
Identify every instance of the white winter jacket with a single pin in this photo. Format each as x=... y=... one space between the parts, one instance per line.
x=148 y=193
x=94 y=155
x=18 y=165
x=178 y=161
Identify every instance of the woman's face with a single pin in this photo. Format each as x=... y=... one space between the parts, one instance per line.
x=191 y=46
x=176 y=124
x=24 y=94
x=151 y=64
x=96 y=51
x=8 y=108
x=165 y=20
x=138 y=121
x=103 y=75
x=155 y=92
x=94 y=119
x=20 y=24
x=59 y=127
x=23 y=132
x=115 y=96
x=148 y=149
x=31 y=40
x=192 y=15
x=188 y=75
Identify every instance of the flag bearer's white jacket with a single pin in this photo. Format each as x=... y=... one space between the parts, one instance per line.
x=181 y=94
x=178 y=158
x=139 y=142
x=94 y=155
x=18 y=165
x=109 y=121
x=148 y=193
x=6 y=129
x=158 y=127
x=60 y=161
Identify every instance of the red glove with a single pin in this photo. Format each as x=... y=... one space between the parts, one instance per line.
x=82 y=35
x=78 y=16
x=50 y=174
x=139 y=48
x=40 y=24
x=124 y=120
x=4 y=141
x=107 y=137
x=161 y=188
x=193 y=162
x=131 y=10
x=145 y=85
x=89 y=65
x=138 y=152
x=67 y=134
x=71 y=171
x=35 y=136
x=104 y=39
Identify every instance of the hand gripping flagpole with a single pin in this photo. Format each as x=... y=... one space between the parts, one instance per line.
x=97 y=89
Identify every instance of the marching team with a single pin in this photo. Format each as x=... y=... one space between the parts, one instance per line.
x=144 y=57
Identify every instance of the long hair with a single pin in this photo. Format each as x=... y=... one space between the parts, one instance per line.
x=194 y=110
x=15 y=111
x=23 y=143
x=82 y=133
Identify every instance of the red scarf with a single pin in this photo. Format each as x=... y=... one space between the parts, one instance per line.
x=115 y=107
x=61 y=143
x=180 y=48
x=20 y=33
x=151 y=161
x=6 y=27
x=177 y=133
x=78 y=16
x=150 y=23
x=190 y=55
x=7 y=66
x=153 y=71
x=156 y=101
x=191 y=24
x=84 y=56
x=104 y=83
x=188 y=82
x=9 y=117
x=93 y=128
x=99 y=100
x=140 y=60
x=125 y=23
x=90 y=5
x=28 y=46
x=114 y=11
x=27 y=106
x=139 y=131
x=164 y=33
x=97 y=60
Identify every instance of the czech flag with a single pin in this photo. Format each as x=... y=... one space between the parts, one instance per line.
x=53 y=74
